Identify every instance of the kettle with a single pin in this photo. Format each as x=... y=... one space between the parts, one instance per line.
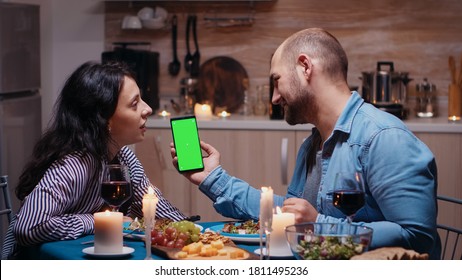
x=386 y=89
x=188 y=94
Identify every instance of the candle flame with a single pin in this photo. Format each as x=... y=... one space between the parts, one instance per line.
x=224 y=114
x=205 y=107
x=278 y=210
x=150 y=190
x=164 y=113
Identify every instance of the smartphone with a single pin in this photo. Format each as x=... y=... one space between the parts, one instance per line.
x=187 y=144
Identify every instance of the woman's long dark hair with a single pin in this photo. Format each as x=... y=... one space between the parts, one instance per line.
x=80 y=122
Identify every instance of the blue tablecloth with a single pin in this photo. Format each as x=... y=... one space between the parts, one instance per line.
x=72 y=249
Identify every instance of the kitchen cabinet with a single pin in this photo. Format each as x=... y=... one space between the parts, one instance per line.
x=154 y=155
x=255 y=155
x=260 y=157
x=447 y=149
x=179 y=1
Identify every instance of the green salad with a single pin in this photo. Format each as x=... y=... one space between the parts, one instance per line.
x=247 y=227
x=329 y=248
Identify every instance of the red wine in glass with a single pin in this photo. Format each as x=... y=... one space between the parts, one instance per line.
x=348 y=201
x=115 y=193
x=116 y=188
x=348 y=193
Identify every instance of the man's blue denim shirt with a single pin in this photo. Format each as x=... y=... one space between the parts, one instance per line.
x=399 y=172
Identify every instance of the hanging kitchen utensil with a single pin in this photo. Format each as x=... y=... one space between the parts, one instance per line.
x=188 y=57
x=174 y=66
x=196 y=57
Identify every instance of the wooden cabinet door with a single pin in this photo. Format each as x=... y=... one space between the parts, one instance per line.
x=254 y=156
x=154 y=155
x=259 y=157
x=300 y=137
x=447 y=149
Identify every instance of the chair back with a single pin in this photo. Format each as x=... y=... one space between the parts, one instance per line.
x=451 y=236
x=7 y=209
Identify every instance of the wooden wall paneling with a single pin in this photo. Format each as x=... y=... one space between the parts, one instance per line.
x=417 y=35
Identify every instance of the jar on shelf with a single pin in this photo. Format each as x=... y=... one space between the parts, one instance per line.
x=260 y=107
x=246 y=108
x=426 y=99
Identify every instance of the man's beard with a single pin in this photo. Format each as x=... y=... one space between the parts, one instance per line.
x=300 y=109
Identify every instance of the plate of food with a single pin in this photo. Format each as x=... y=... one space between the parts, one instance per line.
x=136 y=228
x=211 y=246
x=165 y=233
x=245 y=231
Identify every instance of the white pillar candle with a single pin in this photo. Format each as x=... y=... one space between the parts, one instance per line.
x=202 y=111
x=108 y=232
x=278 y=241
x=266 y=207
x=149 y=206
x=149 y=212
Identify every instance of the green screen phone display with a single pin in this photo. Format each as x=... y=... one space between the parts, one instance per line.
x=187 y=145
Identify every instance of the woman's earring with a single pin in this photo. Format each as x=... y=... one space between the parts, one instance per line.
x=109 y=129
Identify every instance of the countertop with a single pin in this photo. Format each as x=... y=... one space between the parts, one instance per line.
x=416 y=125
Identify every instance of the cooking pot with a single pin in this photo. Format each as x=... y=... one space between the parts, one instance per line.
x=385 y=88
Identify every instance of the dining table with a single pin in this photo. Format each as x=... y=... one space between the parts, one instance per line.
x=73 y=249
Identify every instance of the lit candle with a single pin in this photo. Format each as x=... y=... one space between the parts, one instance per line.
x=202 y=111
x=164 y=114
x=108 y=232
x=453 y=118
x=278 y=241
x=266 y=207
x=224 y=114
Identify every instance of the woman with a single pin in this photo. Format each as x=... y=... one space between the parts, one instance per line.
x=98 y=113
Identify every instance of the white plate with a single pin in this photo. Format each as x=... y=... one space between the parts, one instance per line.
x=250 y=238
x=125 y=251
x=274 y=254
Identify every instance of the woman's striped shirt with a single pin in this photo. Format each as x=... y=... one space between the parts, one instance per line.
x=62 y=205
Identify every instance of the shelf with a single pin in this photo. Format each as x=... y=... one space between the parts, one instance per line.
x=172 y=1
x=230 y=20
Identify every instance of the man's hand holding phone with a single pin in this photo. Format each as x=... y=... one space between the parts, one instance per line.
x=211 y=161
x=186 y=149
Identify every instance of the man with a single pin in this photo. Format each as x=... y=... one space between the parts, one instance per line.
x=309 y=71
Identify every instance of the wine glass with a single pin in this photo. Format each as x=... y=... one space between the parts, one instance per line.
x=116 y=188
x=348 y=195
